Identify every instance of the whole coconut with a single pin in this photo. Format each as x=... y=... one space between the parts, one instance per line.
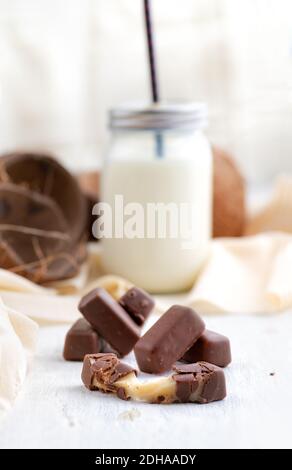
x=229 y=213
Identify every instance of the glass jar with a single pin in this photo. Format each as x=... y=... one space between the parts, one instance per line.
x=159 y=161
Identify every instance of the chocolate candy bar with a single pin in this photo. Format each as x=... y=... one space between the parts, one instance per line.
x=138 y=304
x=103 y=371
x=80 y=340
x=195 y=383
x=210 y=347
x=168 y=339
x=110 y=320
x=200 y=383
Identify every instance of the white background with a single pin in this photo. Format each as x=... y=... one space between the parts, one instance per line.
x=64 y=62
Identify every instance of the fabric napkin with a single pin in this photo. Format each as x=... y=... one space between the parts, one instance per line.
x=18 y=336
x=246 y=275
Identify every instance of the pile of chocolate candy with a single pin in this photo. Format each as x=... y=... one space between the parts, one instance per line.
x=111 y=329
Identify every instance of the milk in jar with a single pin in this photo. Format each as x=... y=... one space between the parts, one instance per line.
x=160 y=160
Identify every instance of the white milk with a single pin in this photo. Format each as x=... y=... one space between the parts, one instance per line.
x=161 y=265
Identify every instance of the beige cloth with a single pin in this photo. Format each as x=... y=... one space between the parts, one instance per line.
x=246 y=275
x=18 y=335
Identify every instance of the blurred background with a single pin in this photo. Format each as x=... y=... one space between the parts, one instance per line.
x=63 y=63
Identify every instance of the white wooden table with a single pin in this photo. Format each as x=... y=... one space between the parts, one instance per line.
x=56 y=411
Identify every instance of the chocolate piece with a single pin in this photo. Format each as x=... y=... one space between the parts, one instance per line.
x=138 y=304
x=121 y=393
x=210 y=347
x=110 y=320
x=80 y=340
x=200 y=383
x=168 y=339
x=101 y=371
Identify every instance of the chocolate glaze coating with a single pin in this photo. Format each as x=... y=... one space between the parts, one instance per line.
x=110 y=320
x=210 y=379
x=210 y=347
x=168 y=339
x=106 y=369
x=138 y=304
x=80 y=340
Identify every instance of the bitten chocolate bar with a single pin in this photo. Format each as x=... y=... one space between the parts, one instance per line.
x=168 y=339
x=194 y=383
x=80 y=340
x=210 y=347
x=138 y=304
x=103 y=372
x=110 y=320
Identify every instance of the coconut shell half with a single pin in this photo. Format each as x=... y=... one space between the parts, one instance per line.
x=44 y=175
x=229 y=211
x=42 y=233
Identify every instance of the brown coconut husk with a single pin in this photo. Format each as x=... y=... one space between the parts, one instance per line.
x=42 y=218
x=44 y=175
x=229 y=207
x=89 y=184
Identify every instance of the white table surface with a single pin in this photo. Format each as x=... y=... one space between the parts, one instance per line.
x=56 y=411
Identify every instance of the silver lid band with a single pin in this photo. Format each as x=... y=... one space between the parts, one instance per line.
x=160 y=117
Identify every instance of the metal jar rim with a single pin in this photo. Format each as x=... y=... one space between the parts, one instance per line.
x=160 y=116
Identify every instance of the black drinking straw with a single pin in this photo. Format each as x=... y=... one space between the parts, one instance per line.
x=153 y=68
